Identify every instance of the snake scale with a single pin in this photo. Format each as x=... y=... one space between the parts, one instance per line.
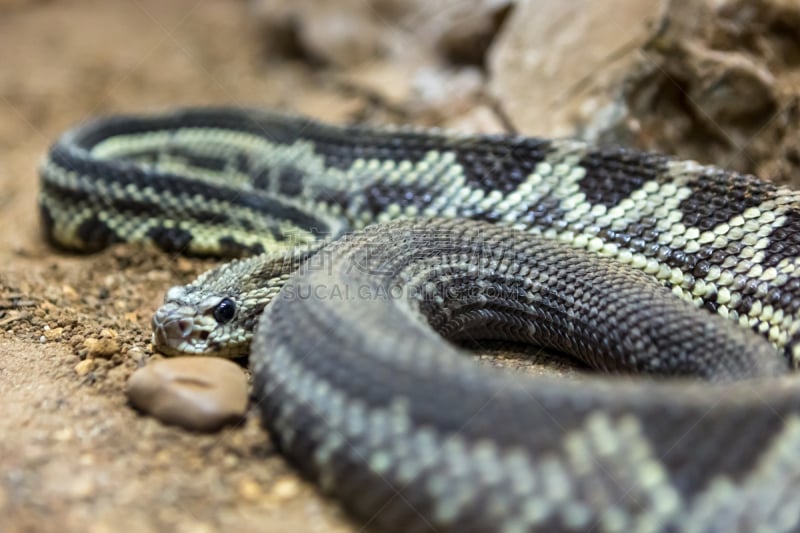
x=625 y=260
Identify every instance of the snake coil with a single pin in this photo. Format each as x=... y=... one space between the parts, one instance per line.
x=632 y=262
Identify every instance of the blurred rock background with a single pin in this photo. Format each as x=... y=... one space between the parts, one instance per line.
x=713 y=80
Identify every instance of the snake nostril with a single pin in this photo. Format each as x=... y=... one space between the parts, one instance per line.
x=203 y=335
x=184 y=326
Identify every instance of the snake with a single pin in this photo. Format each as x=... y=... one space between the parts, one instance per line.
x=362 y=259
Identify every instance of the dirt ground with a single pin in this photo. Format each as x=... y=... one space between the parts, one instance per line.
x=74 y=456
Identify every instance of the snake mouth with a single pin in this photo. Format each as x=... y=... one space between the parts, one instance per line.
x=178 y=330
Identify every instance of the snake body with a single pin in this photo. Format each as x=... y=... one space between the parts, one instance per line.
x=627 y=260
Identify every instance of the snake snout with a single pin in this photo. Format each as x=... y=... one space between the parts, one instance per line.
x=173 y=328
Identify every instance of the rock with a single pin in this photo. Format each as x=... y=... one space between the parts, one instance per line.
x=136 y=355
x=449 y=92
x=198 y=393
x=711 y=80
x=85 y=366
x=480 y=119
x=64 y=434
x=467 y=28
x=53 y=334
x=249 y=490
x=417 y=60
x=70 y=293
x=346 y=33
x=340 y=32
x=557 y=66
x=104 y=347
x=184 y=265
x=390 y=83
x=285 y=488
x=723 y=78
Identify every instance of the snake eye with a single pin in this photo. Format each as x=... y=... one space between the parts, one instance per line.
x=225 y=310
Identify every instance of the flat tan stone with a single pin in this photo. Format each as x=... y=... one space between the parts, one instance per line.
x=557 y=67
x=198 y=393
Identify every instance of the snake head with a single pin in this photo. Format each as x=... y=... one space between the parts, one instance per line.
x=216 y=314
x=193 y=322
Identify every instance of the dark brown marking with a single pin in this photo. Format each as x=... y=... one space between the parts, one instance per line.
x=717 y=196
x=612 y=174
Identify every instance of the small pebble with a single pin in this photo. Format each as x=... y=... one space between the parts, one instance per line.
x=285 y=489
x=184 y=266
x=104 y=347
x=69 y=292
x=198 y=393
x=136 y=354
x=53 y=334
x=84 y=367
x=64 y=434
x=249 y=490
